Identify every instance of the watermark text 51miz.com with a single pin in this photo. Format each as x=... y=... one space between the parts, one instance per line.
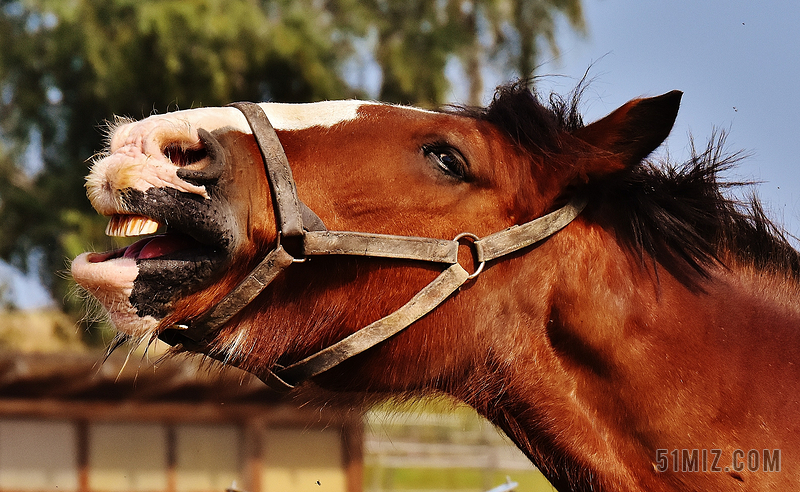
x=713 y=460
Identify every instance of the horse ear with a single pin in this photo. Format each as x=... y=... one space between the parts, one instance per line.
x=630 y=133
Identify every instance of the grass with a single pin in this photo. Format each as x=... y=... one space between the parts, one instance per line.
x=440 y=423
x=451 y=479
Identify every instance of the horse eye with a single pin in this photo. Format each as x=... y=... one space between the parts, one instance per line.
x=449 y=160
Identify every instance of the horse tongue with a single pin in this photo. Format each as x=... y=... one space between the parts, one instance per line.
x=156 y=246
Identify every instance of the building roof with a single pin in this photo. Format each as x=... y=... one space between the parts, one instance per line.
x=46 y=371
x=87 y=377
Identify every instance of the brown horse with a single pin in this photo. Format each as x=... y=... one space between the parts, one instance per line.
x=637 y=331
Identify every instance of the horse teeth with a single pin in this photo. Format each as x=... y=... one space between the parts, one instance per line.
x=131 y=225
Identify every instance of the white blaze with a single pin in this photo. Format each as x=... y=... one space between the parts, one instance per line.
x=300 y=116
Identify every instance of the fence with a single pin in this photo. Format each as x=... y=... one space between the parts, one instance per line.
x=435 y=446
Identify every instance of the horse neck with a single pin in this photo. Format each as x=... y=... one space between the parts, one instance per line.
x=615 y=360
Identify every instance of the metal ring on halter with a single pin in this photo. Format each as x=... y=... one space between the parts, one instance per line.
x=473 y=238
x=278 y=245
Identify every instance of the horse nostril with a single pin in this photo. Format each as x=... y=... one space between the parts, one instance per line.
x=182 y=156
x=209 y=148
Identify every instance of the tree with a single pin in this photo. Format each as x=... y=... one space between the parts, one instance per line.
x=417 y=38
x=516 y=27
x=66 y=67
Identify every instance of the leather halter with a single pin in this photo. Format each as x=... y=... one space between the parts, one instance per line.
x=304 y=232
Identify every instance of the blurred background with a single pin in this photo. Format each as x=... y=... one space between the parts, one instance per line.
x=68 y=66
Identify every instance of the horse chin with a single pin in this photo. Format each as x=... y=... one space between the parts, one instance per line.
x=111 y=283
x=138 y=287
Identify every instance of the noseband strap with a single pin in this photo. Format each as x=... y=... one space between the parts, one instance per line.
x=296 y=221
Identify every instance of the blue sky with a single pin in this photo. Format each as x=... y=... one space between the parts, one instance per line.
x=737 y=62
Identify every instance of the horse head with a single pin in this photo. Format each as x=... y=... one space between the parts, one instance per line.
x=198 y=177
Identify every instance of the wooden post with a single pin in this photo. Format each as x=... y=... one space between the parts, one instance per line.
x=172 y=458
x=82 y=429
x=353 y=452
x=253 y=452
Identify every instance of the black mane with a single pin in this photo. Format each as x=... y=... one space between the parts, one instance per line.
x=673 y=215
x=517 y=111
x=679 y=216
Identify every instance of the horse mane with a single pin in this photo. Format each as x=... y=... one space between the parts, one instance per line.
x=516 y=110
x=673 y=215
x=680 y=217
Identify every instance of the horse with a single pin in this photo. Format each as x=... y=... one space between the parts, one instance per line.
x=627 y=324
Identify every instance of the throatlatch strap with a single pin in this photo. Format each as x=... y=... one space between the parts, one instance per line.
x=421 y=304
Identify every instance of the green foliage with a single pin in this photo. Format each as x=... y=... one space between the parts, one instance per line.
x=67 y=66
x=417 y=38
x=452 y=479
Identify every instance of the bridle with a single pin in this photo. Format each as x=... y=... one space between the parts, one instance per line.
x=301 y=231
